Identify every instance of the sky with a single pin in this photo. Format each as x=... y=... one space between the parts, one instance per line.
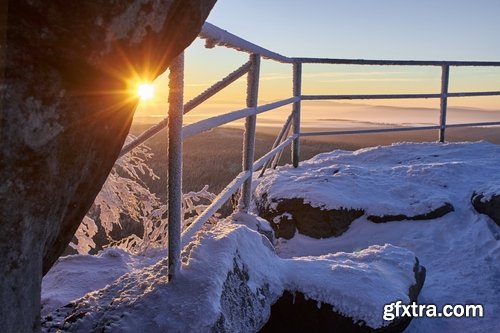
x=367 y=29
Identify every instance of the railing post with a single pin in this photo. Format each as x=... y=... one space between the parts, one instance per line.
x=445 y=75
x=249 y=143
x=175 y=112
x=297 y=91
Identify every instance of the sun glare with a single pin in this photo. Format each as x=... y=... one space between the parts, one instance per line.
x=145 y=91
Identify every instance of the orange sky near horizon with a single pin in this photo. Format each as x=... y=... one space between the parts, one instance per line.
x=276 y=83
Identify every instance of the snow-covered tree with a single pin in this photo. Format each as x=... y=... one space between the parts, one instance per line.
x=125 y=193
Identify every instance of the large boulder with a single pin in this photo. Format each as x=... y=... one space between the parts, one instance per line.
x=68 y=71
x=403 y=182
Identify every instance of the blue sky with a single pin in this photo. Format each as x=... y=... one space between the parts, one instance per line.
x=386 y=29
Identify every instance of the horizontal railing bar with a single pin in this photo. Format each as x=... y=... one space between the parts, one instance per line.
x=217 y=36
x=398 y=129
x=491 y=123
x=213 y=122
x=399 y=96
x=334 y=61
x=223 y=196
x=261 y=161
x=473 y=93
x=211 y=91
x=277 y=104
x=375 y=96
x=380 y=130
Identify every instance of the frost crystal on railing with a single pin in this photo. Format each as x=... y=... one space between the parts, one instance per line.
x=214 y=35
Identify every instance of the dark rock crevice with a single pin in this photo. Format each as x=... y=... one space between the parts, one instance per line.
x=294 y=214
x=433 y=214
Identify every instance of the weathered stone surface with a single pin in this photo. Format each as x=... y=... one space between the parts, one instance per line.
x=433 y=214
x=490 y=207
x=242 y=310
x=66 y=110
x=294 y=214
x=293 y=312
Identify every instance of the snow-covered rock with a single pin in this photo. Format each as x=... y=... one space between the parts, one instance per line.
x=488 y=205
x=230 y=278
x=403 y=182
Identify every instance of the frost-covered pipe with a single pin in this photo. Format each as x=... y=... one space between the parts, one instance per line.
x=218 y=86
x=212 y=122
x=223 y=196
x=277 y=158
x=217 y=36
x=261 y=161
x=445 y=76
x=399 y=96
x=250 y=123
x=175 y=113
x=367 y=131
x=297 y=91
x=370 y=62
x=278 y=140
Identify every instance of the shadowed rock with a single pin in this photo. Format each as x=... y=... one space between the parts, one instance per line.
x=294 y=214
x=490 y=207
x=69 y=68
x=433 y=214
x=293 y=312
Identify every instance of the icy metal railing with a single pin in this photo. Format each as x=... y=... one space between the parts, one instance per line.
x=177 y=132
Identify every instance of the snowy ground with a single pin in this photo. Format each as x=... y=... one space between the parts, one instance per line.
x=461 y=250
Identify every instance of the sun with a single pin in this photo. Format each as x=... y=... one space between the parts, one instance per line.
x=145 y=91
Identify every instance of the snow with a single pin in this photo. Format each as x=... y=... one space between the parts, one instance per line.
x=358 y=272
x=459 y=250
x=383 y=274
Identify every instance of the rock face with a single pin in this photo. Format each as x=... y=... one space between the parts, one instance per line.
x=291 y=215
x=69 y=68
x=242 y=310
x=490 y=206
x=294 y=312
